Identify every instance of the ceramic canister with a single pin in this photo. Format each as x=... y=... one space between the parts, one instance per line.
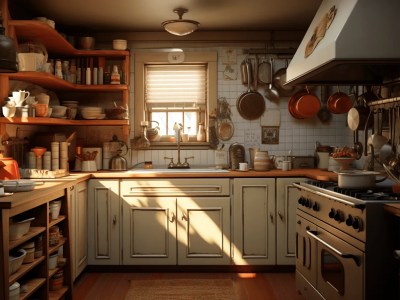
x=262 y=161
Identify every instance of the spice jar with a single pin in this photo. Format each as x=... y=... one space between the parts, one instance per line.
x=54 y=236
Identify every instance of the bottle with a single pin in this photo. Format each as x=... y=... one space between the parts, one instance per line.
x=100 y=76
x=58 y=69
x=88 y=76
x=73 y=72
x=201 y=134
x=143 y=142
x=66 y=70
x=115 y=76
x=107 y=76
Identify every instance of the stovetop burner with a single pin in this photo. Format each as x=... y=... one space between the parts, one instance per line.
x=378 y=193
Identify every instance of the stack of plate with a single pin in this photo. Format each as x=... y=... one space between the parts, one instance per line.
x=91 y=112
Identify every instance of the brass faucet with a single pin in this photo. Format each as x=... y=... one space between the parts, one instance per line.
x=178 y=165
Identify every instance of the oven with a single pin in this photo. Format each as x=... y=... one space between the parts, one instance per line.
x=342 y=245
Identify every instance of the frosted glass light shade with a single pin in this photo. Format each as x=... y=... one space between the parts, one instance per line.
x=180 y=27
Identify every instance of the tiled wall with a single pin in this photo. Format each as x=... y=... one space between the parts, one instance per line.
x=297 y=135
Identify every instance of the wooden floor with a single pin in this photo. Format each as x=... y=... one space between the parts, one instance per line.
x=251 y=286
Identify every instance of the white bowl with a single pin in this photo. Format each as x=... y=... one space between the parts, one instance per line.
x=15 y=260
x=120 y=44
x=18 y=229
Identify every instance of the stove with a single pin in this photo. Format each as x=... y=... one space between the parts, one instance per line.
x=343 y=240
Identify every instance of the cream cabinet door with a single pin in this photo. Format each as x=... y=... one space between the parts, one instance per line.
x=79 y=227
x=254 y=221
x=286 y=204
x=203 y=230
x=149 y=230
x=104 y=222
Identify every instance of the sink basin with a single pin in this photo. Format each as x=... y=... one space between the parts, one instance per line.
x=194 y=170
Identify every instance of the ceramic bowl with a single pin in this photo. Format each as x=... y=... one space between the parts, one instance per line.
x=86 y=42
x=59 y=111
x=120 y=44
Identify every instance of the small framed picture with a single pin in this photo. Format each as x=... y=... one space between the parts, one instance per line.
x=270 y=134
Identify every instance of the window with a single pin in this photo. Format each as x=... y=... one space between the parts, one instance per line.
x=176 y=94
x=169 y=93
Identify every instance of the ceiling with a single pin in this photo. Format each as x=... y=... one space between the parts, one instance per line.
x=147 y=15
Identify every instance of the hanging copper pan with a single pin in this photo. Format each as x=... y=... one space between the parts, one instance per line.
x=250 y=104
x=304 y=105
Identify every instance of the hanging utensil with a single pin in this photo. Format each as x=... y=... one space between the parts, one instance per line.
x=264 y=72
x=324 y=114
x=271 y=92
x=250 y=104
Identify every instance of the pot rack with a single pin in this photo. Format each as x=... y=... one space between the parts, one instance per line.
x=385 y=103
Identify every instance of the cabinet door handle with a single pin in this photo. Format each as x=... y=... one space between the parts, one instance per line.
x=185 y=217
x=172 y=217
x=114 y=221
x=71 y=188
x=280 y=216
x=271 y=216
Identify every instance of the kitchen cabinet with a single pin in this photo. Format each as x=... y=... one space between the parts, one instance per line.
x=58 y=47
x=103 y=222
x=254 y=221
x=286 y=204
x=179 y=221
x=36 y=275
x=79 y=227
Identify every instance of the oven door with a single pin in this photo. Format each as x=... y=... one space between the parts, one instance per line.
x=306 y=259
x=340 y=267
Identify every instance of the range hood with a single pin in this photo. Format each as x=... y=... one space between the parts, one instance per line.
x=360 y=44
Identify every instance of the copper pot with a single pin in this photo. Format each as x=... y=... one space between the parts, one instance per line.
x=339 y=103
x=304 y=105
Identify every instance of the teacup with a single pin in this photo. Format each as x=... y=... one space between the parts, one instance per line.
x=20 y=96
x=8 y=111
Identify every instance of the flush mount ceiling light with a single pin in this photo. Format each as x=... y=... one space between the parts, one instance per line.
x=180 y=27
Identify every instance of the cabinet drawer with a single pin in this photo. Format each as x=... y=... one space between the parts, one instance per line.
x=175 y=187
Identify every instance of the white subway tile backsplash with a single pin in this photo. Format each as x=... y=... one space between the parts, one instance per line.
x=299 y=136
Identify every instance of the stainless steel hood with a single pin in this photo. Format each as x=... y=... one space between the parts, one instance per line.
x=360 y=46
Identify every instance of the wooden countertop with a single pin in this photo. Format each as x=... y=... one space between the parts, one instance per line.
x=50 y=188
x=310 y=173
x=53 y=188
x=393 y=208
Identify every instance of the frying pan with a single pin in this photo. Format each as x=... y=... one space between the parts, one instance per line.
x=250 y=104
x=279 y=80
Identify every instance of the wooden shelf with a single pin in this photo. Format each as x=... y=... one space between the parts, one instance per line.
x=31 y=286
x=33 y=231
x=54 y=249
x=58 y=220
x=49 y=81
x=54 y=41
x=58 y=294
x=25 y=268
x=55 y=121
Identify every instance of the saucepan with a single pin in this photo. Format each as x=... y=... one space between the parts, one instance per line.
x=358 y=179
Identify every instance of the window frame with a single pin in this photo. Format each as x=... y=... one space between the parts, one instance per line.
x=161 y=57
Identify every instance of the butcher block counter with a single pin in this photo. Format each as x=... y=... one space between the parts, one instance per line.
x=309 y=173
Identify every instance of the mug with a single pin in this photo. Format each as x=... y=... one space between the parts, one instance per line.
x=20 y=96
x=243 y=166
x=286 y=165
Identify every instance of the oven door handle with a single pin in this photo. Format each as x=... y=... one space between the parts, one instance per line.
x=313 y=234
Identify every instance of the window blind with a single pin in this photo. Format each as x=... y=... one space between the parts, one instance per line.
x=169 y=86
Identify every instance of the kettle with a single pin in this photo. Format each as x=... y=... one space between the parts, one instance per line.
x=118 y=162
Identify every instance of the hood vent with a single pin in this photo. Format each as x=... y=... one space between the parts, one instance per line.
x=349 y=42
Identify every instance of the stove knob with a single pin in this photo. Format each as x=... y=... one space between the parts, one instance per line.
x=315 y=207
x=307 y=203
x=357 y=224
x=301 y=200
x=332 y=213
x=338 y=216
x=349 y=220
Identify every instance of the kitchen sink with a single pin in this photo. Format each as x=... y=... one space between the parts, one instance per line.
x=192 y=170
